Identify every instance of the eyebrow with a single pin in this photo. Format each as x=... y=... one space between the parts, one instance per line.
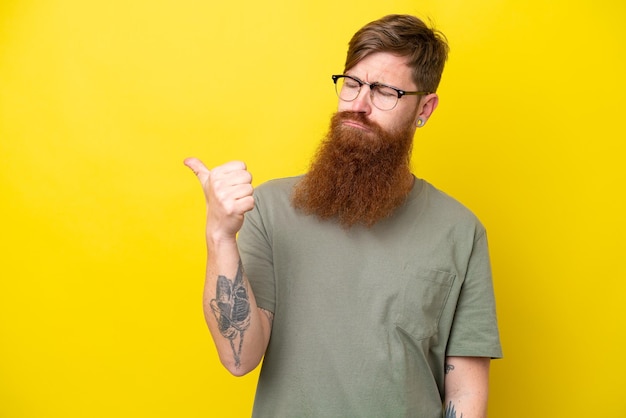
x=377 y=83
x=400 y=91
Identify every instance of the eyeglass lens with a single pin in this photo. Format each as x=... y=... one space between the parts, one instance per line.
x=384 y=98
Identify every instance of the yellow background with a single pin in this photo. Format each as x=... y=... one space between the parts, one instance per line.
x=102 y=247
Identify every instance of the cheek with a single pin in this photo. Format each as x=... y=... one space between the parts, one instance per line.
x=387 y=121
x=408 y=117
x=343 y=106
x=399 y=124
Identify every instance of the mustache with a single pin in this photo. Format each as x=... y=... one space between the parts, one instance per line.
x=350 y=116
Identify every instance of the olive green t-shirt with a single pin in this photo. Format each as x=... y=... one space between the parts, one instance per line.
x=364 y=317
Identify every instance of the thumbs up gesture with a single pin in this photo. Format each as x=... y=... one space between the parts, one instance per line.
x=228 y=192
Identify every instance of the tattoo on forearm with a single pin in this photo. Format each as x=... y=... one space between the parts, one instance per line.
x=231 y=308
x=450 y=412
x=448 y=368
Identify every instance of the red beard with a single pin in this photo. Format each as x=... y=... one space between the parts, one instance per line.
x=357 y=176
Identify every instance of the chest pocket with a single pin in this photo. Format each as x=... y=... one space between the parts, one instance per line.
x=422 y=303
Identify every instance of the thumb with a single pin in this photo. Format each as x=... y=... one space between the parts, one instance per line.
x=198 y=168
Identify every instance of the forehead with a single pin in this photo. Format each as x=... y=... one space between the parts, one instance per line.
x=384 y=67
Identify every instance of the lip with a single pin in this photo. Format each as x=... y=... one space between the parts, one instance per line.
x=356 y=125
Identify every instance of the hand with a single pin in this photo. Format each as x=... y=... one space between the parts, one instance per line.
x=228 y=192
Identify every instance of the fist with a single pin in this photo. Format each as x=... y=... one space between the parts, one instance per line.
x=229 y=195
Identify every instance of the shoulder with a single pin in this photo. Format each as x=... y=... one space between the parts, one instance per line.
x=277 y=186
x=442 y=208
x=275 y=195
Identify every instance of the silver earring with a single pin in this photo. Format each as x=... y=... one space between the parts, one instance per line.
x=420 y=122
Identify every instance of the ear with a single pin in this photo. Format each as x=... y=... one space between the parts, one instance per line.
x=426 y=107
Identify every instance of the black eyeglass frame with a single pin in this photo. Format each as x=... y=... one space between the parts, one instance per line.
x=373 y=85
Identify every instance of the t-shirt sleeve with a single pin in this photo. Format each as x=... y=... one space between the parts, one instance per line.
x=255 y=250
x=475 y=329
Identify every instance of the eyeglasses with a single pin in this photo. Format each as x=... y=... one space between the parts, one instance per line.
x=384 y=97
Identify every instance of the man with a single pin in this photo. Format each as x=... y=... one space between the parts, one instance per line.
x=374 y=286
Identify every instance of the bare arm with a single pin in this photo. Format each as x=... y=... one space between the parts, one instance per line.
x=240 y=329
x=466 y=387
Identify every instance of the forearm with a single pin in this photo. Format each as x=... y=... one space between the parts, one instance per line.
x=239 y=328
x=466 y=387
